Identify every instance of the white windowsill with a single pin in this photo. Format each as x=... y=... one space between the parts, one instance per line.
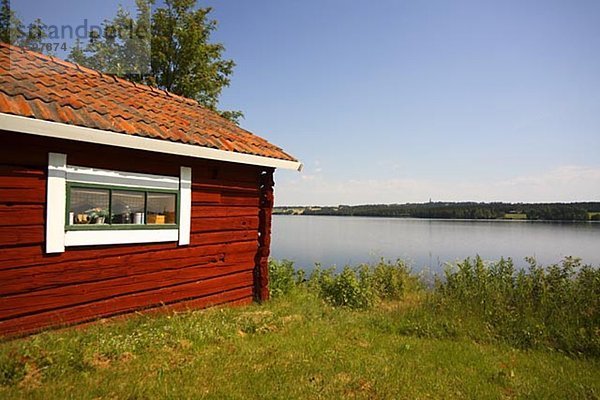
x=95 y=237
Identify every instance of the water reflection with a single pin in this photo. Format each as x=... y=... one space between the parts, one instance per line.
x=428 y=244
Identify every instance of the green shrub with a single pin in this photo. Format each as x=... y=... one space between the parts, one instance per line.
x=350 y=288
x=557 y=306
x=282 y=277
x=390 y=281
x=353 y=287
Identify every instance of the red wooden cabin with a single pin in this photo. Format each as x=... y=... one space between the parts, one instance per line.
x=116 y=197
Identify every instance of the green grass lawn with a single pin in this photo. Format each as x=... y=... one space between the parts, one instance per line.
x=294 y=347
x=515 y=216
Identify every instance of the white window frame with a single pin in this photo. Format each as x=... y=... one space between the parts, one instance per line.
x=59 y=173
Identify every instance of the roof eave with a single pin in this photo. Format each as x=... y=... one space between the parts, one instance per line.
x=59 y=130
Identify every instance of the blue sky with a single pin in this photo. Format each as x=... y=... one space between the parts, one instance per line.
x=403 y=101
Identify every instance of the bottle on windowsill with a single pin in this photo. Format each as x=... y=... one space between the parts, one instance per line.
x=127 y=215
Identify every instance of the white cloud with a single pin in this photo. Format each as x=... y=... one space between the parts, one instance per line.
x=564 y=184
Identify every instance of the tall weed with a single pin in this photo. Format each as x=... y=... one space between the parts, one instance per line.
x=354 y=287
x=556 y=306
x=350 y=288
x=282 y=277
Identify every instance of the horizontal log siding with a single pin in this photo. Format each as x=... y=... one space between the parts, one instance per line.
x=38 y=290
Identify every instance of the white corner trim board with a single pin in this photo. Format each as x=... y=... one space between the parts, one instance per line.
x=56 y=203
x=59 y=173
x=185 y=205
x=72 y=132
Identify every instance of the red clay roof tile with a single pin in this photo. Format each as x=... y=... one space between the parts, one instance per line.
x=42 y=87
x=5 y=103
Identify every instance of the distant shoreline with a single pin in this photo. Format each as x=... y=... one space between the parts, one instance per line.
x=439 y=219
x=566 y=212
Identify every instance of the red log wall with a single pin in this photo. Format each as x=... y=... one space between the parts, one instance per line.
x=225 y=261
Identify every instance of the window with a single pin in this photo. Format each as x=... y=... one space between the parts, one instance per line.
x=161 y=208
x=97 y=207
x=88 y=206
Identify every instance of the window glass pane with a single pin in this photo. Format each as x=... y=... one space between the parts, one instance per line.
x=127 y=207
x=88 y=206
x=161 y=208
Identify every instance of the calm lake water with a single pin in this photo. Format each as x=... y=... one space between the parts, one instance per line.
x=428 y=244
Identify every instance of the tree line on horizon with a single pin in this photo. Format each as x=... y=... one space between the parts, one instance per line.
x=582 y=211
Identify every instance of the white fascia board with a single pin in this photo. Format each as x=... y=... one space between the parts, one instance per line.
x=119 y=178
x=98 y=237
x=72 y=132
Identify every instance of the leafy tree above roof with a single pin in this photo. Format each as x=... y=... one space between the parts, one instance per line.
x=171 y=49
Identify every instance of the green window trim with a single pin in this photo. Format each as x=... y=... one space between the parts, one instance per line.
x=113 y=226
